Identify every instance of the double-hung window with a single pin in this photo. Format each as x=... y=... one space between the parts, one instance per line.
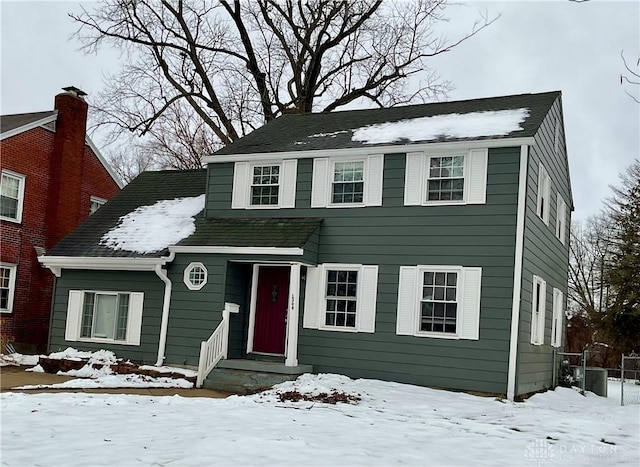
x=446 y=178
x=104 y=316
x=348 y=183
x=11 y=196
x=439 y=301
x=341 y=297
x=544 y=190
x=264 y=185
x=538 y=304
x=7 y=286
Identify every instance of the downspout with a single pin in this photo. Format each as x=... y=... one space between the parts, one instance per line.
x=162 y=274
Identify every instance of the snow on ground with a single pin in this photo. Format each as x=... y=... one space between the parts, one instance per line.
x=16 y=359
x=152 y=228
x=392 y=424
x=469 y=125
x=170 y=369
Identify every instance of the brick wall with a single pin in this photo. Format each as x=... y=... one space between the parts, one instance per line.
x=56 y=199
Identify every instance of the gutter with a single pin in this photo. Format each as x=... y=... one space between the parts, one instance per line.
x=162 y=274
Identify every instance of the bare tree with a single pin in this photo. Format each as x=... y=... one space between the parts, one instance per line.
x=230 y=66
x=630 y=77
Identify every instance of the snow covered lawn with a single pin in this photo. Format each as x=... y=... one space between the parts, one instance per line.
x=391 y=424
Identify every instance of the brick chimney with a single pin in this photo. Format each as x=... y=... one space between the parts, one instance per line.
x=65 y=165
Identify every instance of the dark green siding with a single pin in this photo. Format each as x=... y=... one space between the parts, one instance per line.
x=392 y=236
x=123 y=281
x=543 y=254
x=238 y=290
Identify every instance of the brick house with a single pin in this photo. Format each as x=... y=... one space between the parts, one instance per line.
x=53 y=177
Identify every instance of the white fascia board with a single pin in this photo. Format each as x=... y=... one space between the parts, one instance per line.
x=373 y=149
x=238 y=250
x=29 y=126
x=57 y=263
x=517 y=272
x=104 y=162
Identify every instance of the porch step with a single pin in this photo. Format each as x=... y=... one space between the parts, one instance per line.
x=249 y=376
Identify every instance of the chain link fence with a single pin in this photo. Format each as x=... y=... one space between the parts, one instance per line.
x=630 y=379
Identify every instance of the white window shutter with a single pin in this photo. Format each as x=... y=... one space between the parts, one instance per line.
x=470 y=319
x=477 y=175
x=134 y=320
x=543 y=306
x=312 y=298
x=74 y=313
x=288 y=183
x=320 y=183
x=407 y=301
x=373 y=180
x=367 y=299
x=240 y=192
x=556 y=323
x=414 y=179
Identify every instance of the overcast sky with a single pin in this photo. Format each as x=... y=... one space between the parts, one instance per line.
x=533 y=47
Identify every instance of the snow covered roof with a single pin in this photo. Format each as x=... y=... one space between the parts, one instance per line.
x=488 y=118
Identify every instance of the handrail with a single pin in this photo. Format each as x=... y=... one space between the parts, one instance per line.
x=215 y=348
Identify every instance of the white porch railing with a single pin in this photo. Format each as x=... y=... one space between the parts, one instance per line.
x=215 y=348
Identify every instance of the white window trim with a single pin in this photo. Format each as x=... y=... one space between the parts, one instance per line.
x=242 y=182
x=561 y=219
x=538 y=322
x=544 y=191
x=332 y=168
x=475 y=177
x=22 y=180
x=75 y=310
x=459 y=298
x=322 y=181
x=323 y=295
x=13 y=268
x=556 y=323
x=97 y=200
x=187 y=272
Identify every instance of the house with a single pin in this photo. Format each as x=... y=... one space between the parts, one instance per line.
x=53 y=177
x=424 y=244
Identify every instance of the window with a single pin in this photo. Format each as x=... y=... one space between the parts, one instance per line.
x=265 y=185
x=538 y=304
x=446 y=178
x=556 y=324
x=269 y=185
x=341 y=297
x=340 y=182
x=439 y=301
x=561 y=219
x=95 y=204
x=11 y=196
x=7 y=286
x=348 y=183
x=544 y=187
x=195 y=276
x=104 y=316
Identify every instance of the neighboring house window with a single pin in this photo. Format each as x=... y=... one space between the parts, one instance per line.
x=7 y=286
x=348 y=183
x=561 y=219
x=556 y=324
x=95 y=204
x=450 y=178
x=104 y=316
x=340 y=182
x=11 y=196
x=439 y=301
x=265 y=185
x=341 y=297
x=446 y=178
x=544 y=188
x=538 y=304
x=269 y=185
x=195 y=276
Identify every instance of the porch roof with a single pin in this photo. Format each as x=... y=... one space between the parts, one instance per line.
x=253 y=232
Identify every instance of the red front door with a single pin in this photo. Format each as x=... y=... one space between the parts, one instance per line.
x=271 y=310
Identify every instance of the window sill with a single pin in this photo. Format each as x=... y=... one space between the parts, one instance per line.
x=346 y=205
x=104 y=341
x=9 y=219
x=445 y=203
x=437 y=335
x=7 y=312
x=337 y=329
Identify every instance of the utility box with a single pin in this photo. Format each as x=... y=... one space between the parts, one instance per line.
x=595 y=379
